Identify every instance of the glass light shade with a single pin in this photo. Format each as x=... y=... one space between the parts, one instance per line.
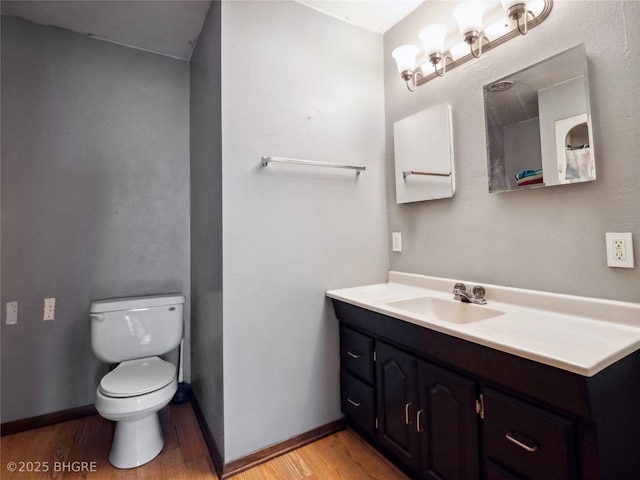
x=507 y=4
x=469 y=16
x=536 y=6
x=405 y=57
x=432 y=38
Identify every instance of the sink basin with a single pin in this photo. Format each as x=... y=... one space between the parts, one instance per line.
x=452 y=311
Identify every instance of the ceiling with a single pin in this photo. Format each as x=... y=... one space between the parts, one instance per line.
x=171 y=27
x=374 y=15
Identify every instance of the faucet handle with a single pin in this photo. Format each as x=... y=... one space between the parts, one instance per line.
x=458 y=287
x=478 y=292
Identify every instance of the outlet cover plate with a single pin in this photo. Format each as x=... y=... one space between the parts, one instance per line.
x=620 y=250
x=12 y=313
x=49 y=309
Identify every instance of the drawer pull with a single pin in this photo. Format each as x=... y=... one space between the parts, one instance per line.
x=355 y=404
x=353 y=355
x=509 y=436
x=419 y=429
x=406 y=413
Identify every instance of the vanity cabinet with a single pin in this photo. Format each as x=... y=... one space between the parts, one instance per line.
x=443 y=408
x=425 y=415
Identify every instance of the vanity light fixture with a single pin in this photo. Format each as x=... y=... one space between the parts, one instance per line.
x=469 y=17
x=414 y=65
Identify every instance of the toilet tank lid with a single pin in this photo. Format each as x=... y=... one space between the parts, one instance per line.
x=130 y=303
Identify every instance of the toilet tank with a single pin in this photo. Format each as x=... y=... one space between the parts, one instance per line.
x=136 y=327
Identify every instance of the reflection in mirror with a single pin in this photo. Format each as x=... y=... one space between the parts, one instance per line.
x=424 y=155
x=538 y=125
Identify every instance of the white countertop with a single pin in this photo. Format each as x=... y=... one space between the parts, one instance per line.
x=578 y=334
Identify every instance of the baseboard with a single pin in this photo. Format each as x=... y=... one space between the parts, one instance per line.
x=266 y=454
x=52 y=418
x=47 y=419
x=226 y=470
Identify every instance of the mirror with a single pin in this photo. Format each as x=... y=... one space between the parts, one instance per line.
x=423 y=149
x=538 y=125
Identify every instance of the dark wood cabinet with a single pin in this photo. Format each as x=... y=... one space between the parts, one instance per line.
x=397 y=394
x=528 y=440
x=443 y=408
x=356 y=380
x=426 y=416
x=448 y=424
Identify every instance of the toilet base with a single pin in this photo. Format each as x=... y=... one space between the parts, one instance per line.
x=136 y=442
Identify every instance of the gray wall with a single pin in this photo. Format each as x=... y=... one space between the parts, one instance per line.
x=301 y=85
x=545 y=239
x=95 y=200
x=206 y=226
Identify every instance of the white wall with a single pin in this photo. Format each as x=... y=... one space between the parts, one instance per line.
x=296 y=83
x=547 y=239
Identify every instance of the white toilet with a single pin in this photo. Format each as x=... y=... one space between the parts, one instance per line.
x=133 y=332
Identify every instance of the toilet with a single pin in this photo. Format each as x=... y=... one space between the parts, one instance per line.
x=132 y=332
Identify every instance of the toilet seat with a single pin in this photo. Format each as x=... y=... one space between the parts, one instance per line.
x=138 y=377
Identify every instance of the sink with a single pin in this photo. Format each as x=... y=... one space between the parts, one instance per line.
x=452 y=311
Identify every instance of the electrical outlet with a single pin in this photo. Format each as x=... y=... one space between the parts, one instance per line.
x=49 y=309
x=396 y=241
x=620 y=250
x=12 y=313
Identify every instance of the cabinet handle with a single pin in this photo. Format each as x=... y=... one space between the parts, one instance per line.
x=355 y=404
x=510 y=437
x=406 y=413
x=419 y=429
x=353 y=355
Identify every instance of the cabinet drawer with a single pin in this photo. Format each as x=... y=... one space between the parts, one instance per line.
x=357 y=402
x=529 y=441
x=494 y=472
x=356 y=353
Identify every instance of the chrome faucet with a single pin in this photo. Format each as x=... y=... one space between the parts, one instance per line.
x=476 y=296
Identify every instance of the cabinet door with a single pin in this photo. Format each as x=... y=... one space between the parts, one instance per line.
x=397 y=404
x=448 y=424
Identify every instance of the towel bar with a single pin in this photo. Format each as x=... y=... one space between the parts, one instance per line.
x=267 y=160
x=406 y=173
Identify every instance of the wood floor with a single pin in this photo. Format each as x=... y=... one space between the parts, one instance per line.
x=79 y=449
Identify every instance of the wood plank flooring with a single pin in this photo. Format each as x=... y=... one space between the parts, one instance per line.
x=79 y=449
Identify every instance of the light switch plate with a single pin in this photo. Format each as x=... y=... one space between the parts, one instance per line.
x=620 y=250
x=396 y=241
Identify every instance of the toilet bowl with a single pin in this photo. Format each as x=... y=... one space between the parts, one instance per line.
x=132 y=395
x=134 y=332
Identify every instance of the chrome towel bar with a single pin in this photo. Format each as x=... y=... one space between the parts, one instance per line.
x=406 y=173
x=267 y=160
